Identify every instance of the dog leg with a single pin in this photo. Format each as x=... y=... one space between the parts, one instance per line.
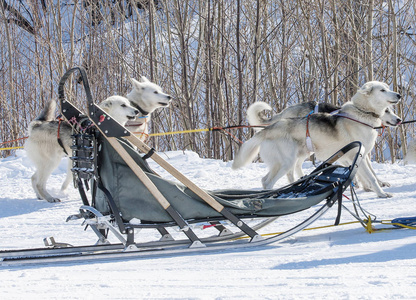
x=367 y=185
x=279 y=168
x=380 y=182
x=291 y=175
x=365 y=173
x=34 y=180
x=275 y=174
x=267 y=181
x=68 y=178
x=296 y=172
x=42 y=175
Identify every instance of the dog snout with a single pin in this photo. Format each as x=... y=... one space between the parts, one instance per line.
x=169 y=97
x=136 y=111
x=398 y=121
x=399 y=96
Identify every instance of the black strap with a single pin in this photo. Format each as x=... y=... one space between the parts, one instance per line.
x=82 y=193
x=149 y=154
x=142 y=111
x=338 y=219
x=113 y=207
x=62 y=146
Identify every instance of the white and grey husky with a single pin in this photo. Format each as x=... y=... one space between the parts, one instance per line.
x=284 y=142
x=256 y=115
x=45 y=152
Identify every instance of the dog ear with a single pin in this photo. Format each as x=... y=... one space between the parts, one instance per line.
x=136 y=84
x=144 y=79
x=105 y=105
x=367 y=88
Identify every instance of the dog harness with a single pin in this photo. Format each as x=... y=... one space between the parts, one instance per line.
x=145 y=116
x=309 y=144
x=59 y=135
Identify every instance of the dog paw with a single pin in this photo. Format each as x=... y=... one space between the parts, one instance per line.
x=385 y=195
x=54 y=200
x=384 y=184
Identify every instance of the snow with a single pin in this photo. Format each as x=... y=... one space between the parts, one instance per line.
x=343 y=262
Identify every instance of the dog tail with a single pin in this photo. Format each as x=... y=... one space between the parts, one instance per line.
x=256 y=115
x=48 y=112
x=248 y=152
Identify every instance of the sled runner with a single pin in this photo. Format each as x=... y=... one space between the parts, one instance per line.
x=123 y=197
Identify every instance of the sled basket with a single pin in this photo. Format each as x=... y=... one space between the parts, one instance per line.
x=134 y=200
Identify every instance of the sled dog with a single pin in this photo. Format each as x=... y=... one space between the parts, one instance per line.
x=42 y=145
x=256 y=117
x=284 y=142
x=146 y=96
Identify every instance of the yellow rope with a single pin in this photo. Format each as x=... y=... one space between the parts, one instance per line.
x=152 y=134
x=10 y=148
x=178 y=132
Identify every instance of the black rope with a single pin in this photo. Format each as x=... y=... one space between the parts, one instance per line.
x=402 y=123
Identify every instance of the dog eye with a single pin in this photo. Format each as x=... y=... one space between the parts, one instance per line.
x=123 y=105
x=156 y=92
x=382 y=90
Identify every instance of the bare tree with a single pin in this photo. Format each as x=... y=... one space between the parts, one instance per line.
x=214 y=57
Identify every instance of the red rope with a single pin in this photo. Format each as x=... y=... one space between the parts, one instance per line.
x=14 y=140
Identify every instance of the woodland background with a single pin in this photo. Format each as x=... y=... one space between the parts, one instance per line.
x=215 y=57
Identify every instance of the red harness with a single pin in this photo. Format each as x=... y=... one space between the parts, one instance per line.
x=142 y=133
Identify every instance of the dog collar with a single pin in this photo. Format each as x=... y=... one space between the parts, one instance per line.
x=369 y=113
x=142 y=111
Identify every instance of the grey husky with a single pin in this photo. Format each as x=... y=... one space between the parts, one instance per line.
x=45 y=152
x=257 y=117
x=284 y=142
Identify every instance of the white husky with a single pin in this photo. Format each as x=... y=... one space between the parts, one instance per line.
x=44 y=151
x=146 y=96
x=256 y=117
x=284 y=142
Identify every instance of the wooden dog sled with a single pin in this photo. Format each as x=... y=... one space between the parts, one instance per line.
x=127 y=198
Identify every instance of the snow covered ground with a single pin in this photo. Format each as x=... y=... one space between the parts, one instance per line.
x=343 y=262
